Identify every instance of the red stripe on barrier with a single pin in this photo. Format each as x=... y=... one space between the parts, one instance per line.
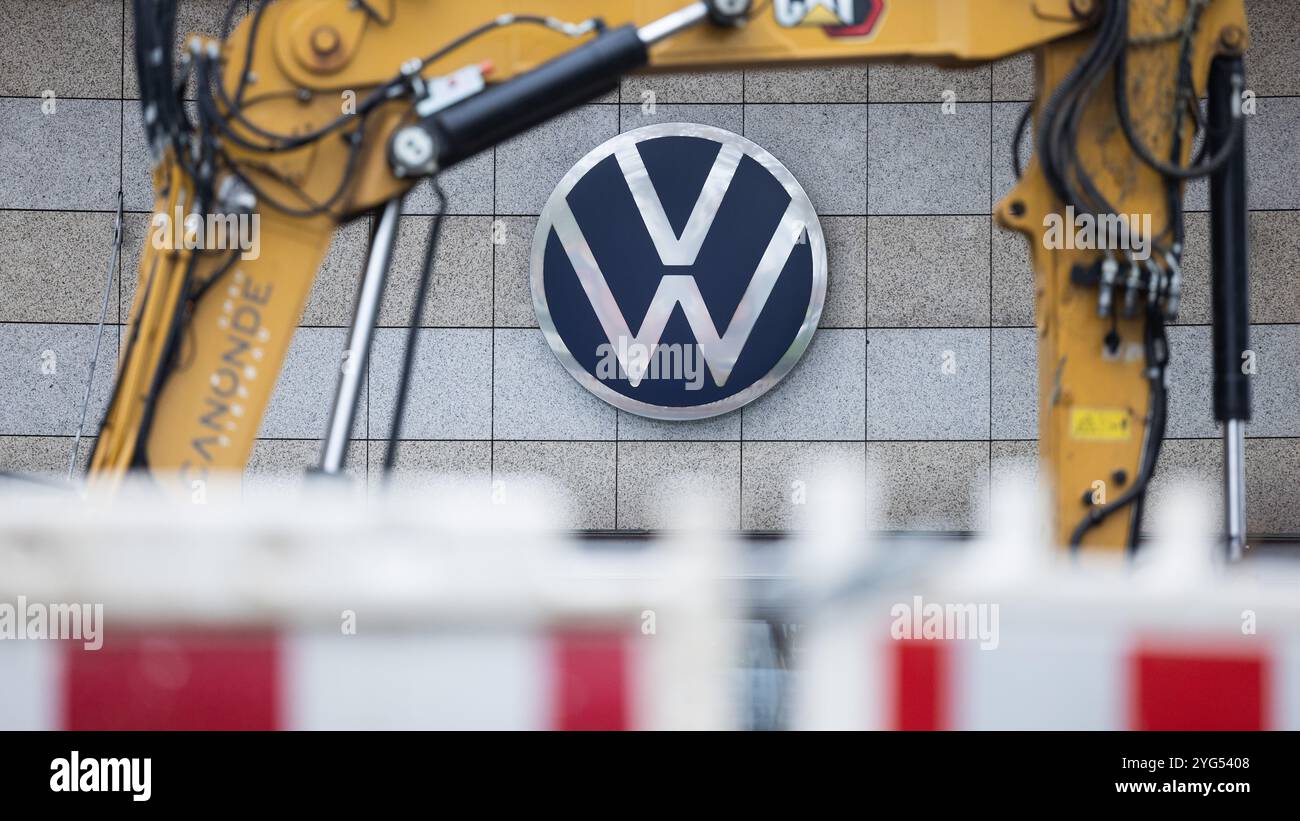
x=590 y=681
x=1181 y=689
x=921 y=684
x=174 y=680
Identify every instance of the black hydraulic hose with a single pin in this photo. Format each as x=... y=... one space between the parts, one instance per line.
x=1218 y=159
x=1021 y=124
x=413 y=329
x=1157 y=351
x=1112 y=41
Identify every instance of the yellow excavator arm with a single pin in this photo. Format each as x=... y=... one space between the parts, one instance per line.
x=314 y=111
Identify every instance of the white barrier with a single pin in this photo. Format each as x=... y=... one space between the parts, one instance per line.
x=463 y=614
x=331 y=614
x=1012 y=635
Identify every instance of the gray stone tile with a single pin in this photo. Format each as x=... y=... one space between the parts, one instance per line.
x=632 y=427
x=450 y=394
x=928 y=83
x=279 y=466
x=1013 y=461
x=534 y=397
x=658 y=482
x=1272 y=158
x=137 y=166
x=1274 y=259
x=1273 y=154
x=1276 y=396
x=1013 y=78
x=582 y=474
x=460 y=293
x=334 y=291
x=468 y=186
x=846 y=275
x=1182 y=461
x=45 y=457
x=43 y=369
x=42 y=457
x=930 y=486
x=824 y=397
x=1015 y=383
x=928 y=271
x=72 y=47
x=726 y=86
x=1195 y=307
x=135 y=235
x=1005 y=117
x=782 y=479
x=54 y=265
x=729 y=117
x=513 y=252
x=529 y=166
x=202 y=17
x=923 y=161
x=436 y=470
x=1271 y=66
x=1272 y=486
x=846 y=83
x=1191 y=413
x=824 y=146
x=304 y=391
x=1013 y=279
x=67 y=160
x=1273 y=266
x=928 y=384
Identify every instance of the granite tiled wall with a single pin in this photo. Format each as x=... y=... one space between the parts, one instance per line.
x=917 y=269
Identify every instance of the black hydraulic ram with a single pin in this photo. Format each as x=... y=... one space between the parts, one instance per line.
x=502 y=111
x=1230 y=296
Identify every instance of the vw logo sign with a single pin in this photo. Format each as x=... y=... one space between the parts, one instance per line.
x=678 y=271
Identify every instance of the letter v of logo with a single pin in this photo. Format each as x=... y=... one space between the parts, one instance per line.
x=768 y=221
x=675 y=250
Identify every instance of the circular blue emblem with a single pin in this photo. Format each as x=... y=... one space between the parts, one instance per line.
x=678 y=271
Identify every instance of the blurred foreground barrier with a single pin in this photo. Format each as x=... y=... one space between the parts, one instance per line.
x=448 y=611
x=1014 y=635
x=331 y=614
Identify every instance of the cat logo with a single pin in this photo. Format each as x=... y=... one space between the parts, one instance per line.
x=838 y=18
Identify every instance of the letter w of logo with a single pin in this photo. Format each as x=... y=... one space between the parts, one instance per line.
x=720 y=351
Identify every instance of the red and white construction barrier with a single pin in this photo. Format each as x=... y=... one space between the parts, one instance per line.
x=1015 y=635
x=338 y=616
x=575 y=679
x=1045 y=675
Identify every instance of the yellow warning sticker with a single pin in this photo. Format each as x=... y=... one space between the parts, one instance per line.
x=1097 y=425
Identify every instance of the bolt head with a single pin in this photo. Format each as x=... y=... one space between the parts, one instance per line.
x=412 y=149
x=728 y=12
x=324 y=40
x=1233 y=38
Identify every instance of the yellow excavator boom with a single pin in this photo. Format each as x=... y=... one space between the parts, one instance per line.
x=209 y=331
